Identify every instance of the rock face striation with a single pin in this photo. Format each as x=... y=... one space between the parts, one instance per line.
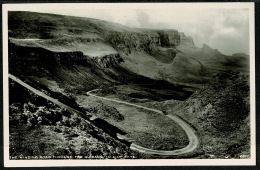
x=186 y=39
x=169 y=38
x=127 y=41
x=19 y=53
x=134 y=41
x=108 y=60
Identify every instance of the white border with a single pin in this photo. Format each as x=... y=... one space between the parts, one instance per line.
x=140 y=162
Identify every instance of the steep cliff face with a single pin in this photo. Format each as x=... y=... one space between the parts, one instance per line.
x=185 y=39
x=108 y=60
x=18 y=53
x=169 y=38
x=130 y=41
x=38 y=54
x=133 y=41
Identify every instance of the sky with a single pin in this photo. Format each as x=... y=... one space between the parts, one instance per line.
x=223 y=27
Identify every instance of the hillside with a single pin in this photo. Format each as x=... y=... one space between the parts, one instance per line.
x=150 y=53
x=40 y=129
x=106 y=43
x=220 y=113
x=66 y=57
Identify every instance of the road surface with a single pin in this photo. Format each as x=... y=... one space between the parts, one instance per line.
x=193 y=139
x=40 y=93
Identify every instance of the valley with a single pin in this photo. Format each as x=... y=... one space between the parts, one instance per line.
x=140 y=93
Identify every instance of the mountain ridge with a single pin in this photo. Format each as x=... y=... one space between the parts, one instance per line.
x=111 y=44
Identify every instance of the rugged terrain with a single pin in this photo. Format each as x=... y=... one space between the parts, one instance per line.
x=68 y=56
x=40 y=129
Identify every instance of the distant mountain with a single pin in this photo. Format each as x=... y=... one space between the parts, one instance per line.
x=241 y=55
x=67 y=49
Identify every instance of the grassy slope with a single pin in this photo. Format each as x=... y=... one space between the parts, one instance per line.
x=219 y=112
x=146 y=128
x=65 y=33
x=57 y=33
x=67 y=44
x=39 y=128
x=30 y=22
x=182 y=69
x=62 y=33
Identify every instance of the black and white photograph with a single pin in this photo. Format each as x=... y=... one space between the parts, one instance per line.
x=112 y=84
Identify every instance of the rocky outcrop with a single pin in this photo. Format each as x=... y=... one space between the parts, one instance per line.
x=174 y=37
x=86 y=39
x=185 y=39
x=108 y=60
x=72 y=40
x=18 y=52
x=169 y=38
x=128 y=41
x=133 y=41
x=207 y=50
x=69 y=57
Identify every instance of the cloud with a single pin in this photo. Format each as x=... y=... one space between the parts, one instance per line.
x=230 y=31
x=143 y=18
x=223 y=29
x=211 y=26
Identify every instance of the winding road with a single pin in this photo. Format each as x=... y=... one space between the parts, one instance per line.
x=193 y=139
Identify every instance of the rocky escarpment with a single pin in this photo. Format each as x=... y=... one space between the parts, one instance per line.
x=133 y=41
x=108 y=60
x=174 y=37
x=128 y=41
x=18 y=53
x=169 y=38
x=71 y=40
x=186 y=39
x=103 y=41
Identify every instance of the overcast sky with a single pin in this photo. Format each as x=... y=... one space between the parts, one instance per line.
x=222 y=28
